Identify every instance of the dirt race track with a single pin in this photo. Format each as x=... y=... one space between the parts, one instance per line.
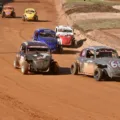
x=47 y=97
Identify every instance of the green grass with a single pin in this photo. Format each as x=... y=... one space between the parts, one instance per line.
x=98 y=24
x=92 y=2
x=87 y=1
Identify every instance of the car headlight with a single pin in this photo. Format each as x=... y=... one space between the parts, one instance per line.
x=60 y=41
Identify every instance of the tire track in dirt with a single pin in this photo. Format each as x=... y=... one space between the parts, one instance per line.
x=17 y=105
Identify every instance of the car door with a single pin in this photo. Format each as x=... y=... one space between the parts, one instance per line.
x=88 y=63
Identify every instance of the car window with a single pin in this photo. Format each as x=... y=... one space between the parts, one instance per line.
x=30 y=11
x=106 y=53
x=43 y=34
x=65 y=30
x=90 y=54
x=83 y=53
x=23 y=48
x=31 y=50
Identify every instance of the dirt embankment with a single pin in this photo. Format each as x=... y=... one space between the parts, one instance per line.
x=78 y=12
x=87 y=8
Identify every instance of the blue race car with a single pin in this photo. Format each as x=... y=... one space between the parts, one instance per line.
x=48 y=36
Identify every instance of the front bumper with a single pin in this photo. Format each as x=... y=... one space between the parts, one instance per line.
x=30 y=18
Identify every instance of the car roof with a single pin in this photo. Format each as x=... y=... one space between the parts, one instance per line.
x=46 y=30
x=29 y=9
x=35 y=43
x=64 y=27
x=99 y=47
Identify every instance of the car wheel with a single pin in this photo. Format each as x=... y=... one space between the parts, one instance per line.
x=13 y=15
x=36 y=18
x=3 y=15
x=16 y=64
x=98 y=74
x=23 y=18
x=74 y=69
x=60 y=49
x=75 y=43
x=54 y=68
x=24 y=68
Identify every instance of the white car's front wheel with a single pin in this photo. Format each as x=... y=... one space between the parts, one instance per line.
x=15 y=64
x=24 y=68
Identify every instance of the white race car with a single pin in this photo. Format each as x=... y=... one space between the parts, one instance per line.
x=65 y=35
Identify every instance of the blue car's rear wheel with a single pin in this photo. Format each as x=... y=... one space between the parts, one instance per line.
x=60 y=49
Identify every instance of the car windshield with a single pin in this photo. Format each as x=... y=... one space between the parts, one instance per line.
x=8 y=8
x=65 y=30
x=43 y=34
x=30 y=11
x=32 y=50
x=106 y=53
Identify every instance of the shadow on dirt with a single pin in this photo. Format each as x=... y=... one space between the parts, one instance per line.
x=112 y=80
x=70 y=51
x=43 y=21
x=63 y=71
x=17 y=17
x=80 y=42
x=32 y=21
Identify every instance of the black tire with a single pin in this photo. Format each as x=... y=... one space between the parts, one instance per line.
x=54 y=68
x=13 y=15
x=23 y=18
x=74 y=69
x=98 y=74
x=60 y=49
x=16 y=64
x=3 y=15
x=36 y=18
x=76 y=44
x=24 y=68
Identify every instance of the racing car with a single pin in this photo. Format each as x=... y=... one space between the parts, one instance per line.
x=30 y=14
x=101 y=62
x=35 y=57
x=48 y=36
x=65 y=35
x=8 y=11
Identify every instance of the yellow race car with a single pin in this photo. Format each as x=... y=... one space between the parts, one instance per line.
x=30 y=14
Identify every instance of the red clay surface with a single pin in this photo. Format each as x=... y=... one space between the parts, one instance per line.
x=47 y=97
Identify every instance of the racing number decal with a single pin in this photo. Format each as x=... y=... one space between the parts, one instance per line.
x=118 y=63
x=115 y=64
